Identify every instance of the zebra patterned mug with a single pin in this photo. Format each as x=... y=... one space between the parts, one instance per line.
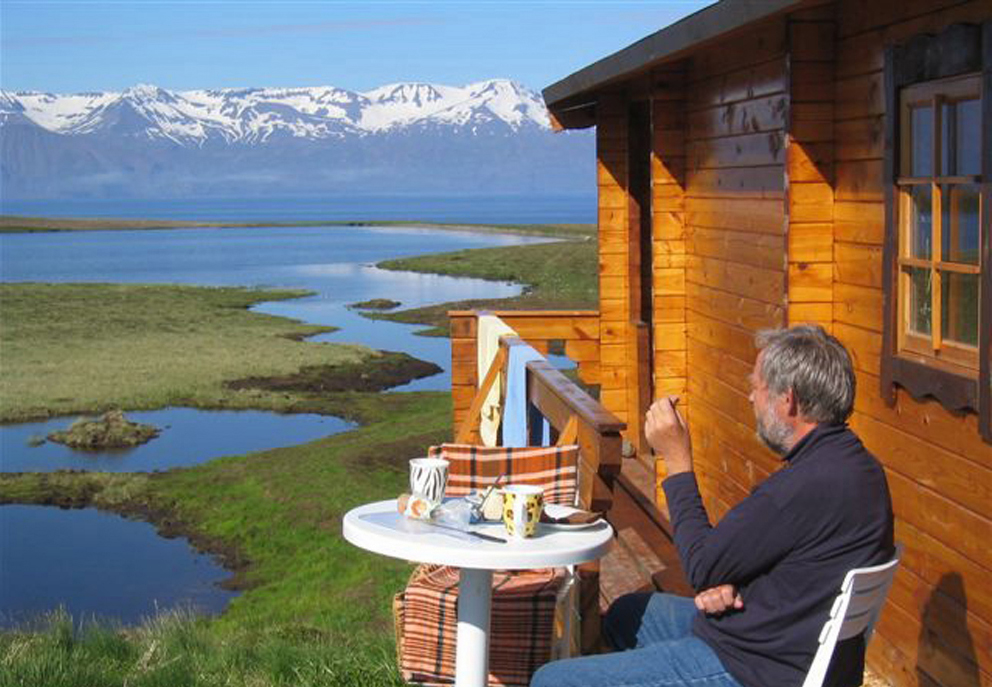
x=429 y=478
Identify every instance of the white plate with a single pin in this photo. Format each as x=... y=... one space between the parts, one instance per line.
x=555 y=510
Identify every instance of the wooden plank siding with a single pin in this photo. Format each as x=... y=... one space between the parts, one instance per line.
x=736 y=239
x=810 y=168
x=937 y=626
x=669 y=163
x=614 y=249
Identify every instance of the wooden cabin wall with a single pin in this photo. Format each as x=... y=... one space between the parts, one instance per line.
x=937 y=627
x=736 y=234
x=668 y=247
x=615 y=251
x=809 y=165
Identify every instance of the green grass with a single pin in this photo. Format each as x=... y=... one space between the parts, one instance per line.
x=73 y=348
x=178 y=650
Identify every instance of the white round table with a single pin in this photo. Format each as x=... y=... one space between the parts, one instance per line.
x=379 y=528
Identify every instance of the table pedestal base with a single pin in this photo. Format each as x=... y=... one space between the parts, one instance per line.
x=475 y=589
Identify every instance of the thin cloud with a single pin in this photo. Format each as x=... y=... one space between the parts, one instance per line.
x=228 y=32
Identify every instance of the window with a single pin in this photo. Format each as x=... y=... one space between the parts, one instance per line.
x=938 y=280
x=938 y=223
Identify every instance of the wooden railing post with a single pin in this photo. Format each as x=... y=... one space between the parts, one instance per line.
x=464 y=354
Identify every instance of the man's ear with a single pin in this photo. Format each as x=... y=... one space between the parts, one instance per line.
x=791 y=403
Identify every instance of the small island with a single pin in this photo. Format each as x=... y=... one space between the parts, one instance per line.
x=111 y=430
x=375 y=304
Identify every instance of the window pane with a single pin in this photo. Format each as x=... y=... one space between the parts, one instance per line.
x=921 y=133
x=920 y=222
x=969 y=137
x=960 y=228
x=948 y=151
x=959 y=309
x=920 y=305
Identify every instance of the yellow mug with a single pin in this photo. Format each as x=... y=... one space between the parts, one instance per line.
x=522 y=506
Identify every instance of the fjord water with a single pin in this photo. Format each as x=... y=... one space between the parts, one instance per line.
x=337 y=263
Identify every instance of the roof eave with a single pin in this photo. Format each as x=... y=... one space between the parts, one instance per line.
x=671 y=42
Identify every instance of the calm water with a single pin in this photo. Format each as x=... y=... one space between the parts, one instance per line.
x=470 y=209
x=99 y=565
x=188 y=437
x=70 y=567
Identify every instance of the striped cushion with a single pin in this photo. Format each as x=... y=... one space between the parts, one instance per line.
x=523 y=602
x=476 y=467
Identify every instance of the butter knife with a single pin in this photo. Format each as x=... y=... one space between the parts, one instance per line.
x=480 y=535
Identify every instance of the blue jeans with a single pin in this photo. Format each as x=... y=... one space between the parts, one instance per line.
x=657 y=646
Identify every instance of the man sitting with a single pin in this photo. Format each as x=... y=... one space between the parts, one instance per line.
x=770 y=569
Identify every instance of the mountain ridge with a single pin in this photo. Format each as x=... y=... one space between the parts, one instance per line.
x=491 y=136
x=251 y=114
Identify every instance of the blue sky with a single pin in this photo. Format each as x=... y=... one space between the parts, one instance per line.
x=70 y=47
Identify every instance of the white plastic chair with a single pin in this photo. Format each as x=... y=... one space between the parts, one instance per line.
x=854 y=612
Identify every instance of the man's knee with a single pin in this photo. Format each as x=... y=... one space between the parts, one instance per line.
x=623 y=619
x=544 y=677
x=555 y=674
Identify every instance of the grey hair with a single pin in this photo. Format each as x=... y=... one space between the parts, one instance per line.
x=814 y=365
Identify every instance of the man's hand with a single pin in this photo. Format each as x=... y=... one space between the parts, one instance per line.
x=719 y=600
x=668 y=435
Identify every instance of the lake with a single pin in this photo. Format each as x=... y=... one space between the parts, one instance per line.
x=337 y=264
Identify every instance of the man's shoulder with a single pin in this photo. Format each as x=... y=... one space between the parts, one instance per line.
x=833 y=443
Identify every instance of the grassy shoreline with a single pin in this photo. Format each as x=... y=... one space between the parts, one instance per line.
x=316 y=611
x=555 y=276
x=14 y=224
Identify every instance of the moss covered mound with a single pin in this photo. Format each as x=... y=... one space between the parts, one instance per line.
x=376 y=304
x=110 y=430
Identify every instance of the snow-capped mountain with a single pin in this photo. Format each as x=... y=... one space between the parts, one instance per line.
x=491 y=136
x=254 y=114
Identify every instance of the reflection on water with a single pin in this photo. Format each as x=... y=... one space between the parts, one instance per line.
x=99 y=565
x=188 y=437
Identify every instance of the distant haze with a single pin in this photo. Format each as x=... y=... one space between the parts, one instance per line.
x=490 y=137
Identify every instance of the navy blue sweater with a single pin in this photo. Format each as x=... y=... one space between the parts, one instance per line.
x=787 y=547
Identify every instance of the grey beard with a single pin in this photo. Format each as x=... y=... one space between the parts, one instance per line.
x=774 y=434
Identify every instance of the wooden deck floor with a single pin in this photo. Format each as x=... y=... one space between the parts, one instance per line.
x=644 y=558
